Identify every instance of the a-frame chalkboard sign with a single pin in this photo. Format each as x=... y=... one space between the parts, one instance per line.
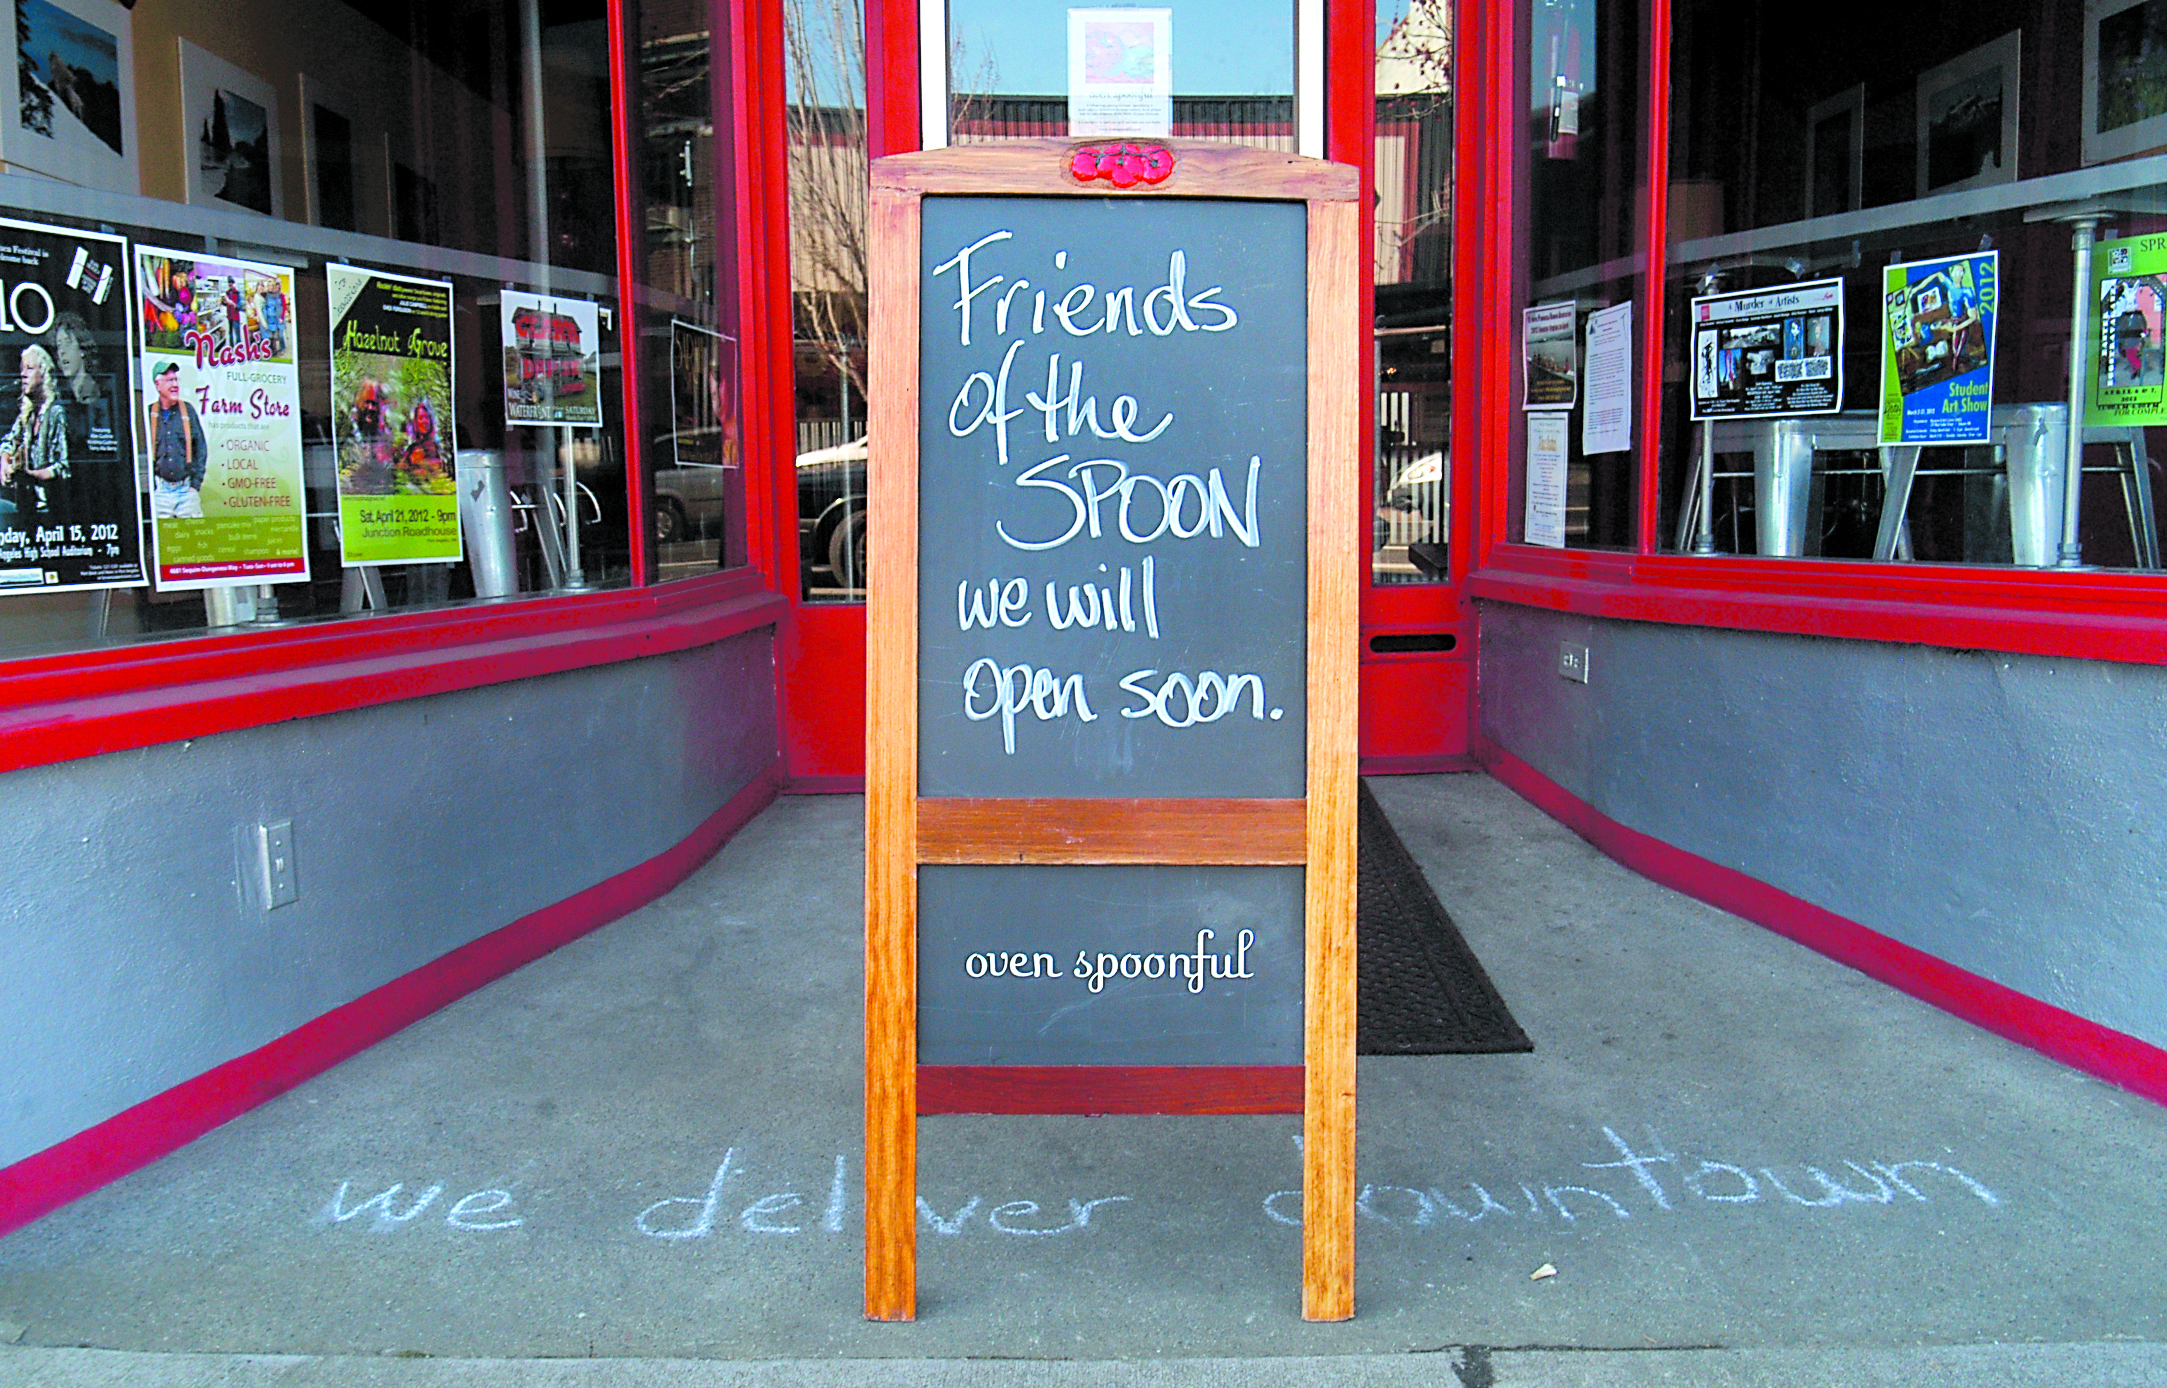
x=1115 y=548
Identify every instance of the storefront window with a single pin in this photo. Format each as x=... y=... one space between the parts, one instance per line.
x=1583 y=192
x=1904 y=264
x=825 y=40
x=1414 y=292
x=687 y=354
x=1196 y=69
x=315 y=310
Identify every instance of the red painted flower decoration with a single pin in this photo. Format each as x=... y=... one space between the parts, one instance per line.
x=1124 y=165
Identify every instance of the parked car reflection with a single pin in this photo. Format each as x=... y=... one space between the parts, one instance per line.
x=831 y=517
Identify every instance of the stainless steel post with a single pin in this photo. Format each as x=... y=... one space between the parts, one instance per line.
x=551 y=454
x=2080 y=351
x=1704 y=539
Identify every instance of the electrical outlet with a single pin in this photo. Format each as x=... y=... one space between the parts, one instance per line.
x=281 y=878
x=1573 y=661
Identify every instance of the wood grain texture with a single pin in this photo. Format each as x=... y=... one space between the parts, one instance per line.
x=1201 y=170
x=1112 y=831
x=1102 y=1089
x=1336 y=376
x=891 y=765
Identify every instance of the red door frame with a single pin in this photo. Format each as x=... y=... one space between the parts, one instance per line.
x=1416 y=707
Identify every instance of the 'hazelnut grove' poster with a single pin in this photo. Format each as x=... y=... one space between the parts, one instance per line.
x=391 y=417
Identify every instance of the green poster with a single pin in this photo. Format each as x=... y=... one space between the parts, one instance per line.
x=391 y=417
x=2129 y=293
x=222 y=415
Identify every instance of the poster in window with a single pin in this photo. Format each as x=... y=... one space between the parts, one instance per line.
x=1937 y=349
x=703 y=417
x=67 y=102
x=1769 y=353
x=222 y=420
x=391 y=417
x=552 y=361
x=1544 y=520
x=69 y=517
x=2128 y=365
x=1120 y=72
x=1550 y=352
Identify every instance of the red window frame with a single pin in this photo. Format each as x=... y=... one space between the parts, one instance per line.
x=2099 y=615
x=82 y=703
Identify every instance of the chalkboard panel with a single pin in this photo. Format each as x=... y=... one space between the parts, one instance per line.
x=1036 y=965
x=1112 y=471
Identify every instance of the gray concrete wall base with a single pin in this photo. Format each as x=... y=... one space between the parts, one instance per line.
x=137 y=949
x=1997 y=811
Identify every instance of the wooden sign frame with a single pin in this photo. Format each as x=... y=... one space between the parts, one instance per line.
x=1316 y=832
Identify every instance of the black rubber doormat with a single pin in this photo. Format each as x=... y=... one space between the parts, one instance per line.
x=1420 y=989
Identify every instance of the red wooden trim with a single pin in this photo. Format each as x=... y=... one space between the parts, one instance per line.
x=193 y=689
x=2075 y=1041
x=1655 y=240
x=2086 y=616
x=1486 y=319
x=891 y=77
x=631 y=247
x=138 y=1136
x=765 y=300
x=1101 y=1089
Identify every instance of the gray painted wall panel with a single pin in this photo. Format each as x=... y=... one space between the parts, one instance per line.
x=135 y=951
x=2001 y=812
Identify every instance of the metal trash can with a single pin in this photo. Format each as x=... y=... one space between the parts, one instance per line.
x=485 y=514
x=2034 y=440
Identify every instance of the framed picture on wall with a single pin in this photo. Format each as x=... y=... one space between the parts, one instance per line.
x=67 y=100
x=334 y=157
x=2125 y=80
x=1836 y=153
x=230 y=136
x=1968 y=119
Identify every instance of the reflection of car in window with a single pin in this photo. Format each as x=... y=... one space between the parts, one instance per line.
x=831 y=513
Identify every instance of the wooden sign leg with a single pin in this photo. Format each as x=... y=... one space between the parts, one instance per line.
x=1335 y=357
x=891 y=767
x=891 y=1107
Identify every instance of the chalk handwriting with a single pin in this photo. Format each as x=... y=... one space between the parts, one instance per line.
x=1664 y=1179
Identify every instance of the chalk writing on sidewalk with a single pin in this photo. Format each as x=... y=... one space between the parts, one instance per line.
x=1633 y=1179
x=1662 y=1181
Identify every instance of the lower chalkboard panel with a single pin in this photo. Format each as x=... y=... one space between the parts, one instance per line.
x=1105 y=1089
x=1131 y=965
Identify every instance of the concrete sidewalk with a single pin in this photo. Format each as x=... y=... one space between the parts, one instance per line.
x=1747 y=1164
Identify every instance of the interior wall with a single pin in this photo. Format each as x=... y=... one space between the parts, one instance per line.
x=1997 y=811
x=343 y=58
x=136 y=950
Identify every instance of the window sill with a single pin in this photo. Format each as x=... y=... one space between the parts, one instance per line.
x=2092 y=615
x=58 y=708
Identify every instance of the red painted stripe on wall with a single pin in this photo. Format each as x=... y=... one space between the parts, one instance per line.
x=138 y=1136
x=2114 y=1056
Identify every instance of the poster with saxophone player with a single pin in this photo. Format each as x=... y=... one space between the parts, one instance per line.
x=222 y=420
x=69 y=515
x=391 y=417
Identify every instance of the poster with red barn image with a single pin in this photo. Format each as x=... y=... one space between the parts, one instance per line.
x=552 y=361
